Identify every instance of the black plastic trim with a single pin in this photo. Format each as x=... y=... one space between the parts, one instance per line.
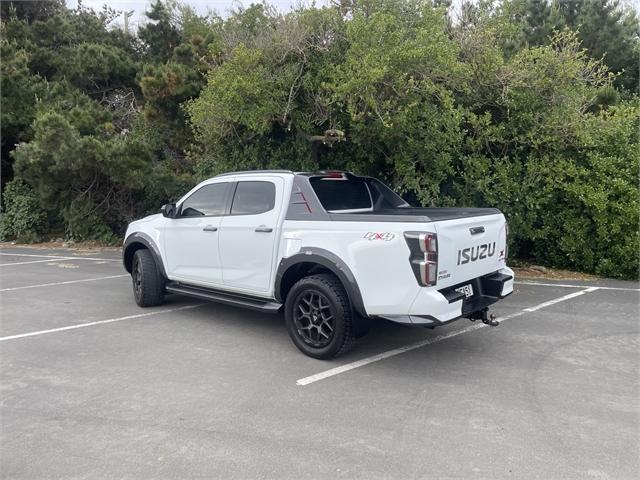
x=147 y=241
x=453 y=296
x=408 y=320
x=230 y=298
x=332 y=263
x=477 y=303
x=253 y=172
x=377 y=217
x=434 y=321
x=493 y=284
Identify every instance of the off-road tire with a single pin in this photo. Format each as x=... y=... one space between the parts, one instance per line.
x=331 y=290
x=148 y=283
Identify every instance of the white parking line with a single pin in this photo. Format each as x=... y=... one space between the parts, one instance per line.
x=624 y=289
x=397 y=351
x=58 y=257
x=99 y=322
x=27 y=263
x=62 y=283
x=561 y=299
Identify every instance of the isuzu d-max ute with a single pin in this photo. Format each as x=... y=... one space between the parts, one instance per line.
x=331 y=249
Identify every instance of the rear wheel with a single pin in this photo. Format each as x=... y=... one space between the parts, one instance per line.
x=148 y=284
x=319 y=317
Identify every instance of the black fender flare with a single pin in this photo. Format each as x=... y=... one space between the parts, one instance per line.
x=144 y=239
x=331 y=262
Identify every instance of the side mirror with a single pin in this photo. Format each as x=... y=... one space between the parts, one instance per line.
x=168 y=210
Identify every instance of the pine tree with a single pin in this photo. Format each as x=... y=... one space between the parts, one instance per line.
x=160 y=35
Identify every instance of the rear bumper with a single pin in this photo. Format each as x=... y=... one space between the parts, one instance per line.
x=438 y=307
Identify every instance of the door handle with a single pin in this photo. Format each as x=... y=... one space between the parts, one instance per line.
x=264 y=229
x=210 y=228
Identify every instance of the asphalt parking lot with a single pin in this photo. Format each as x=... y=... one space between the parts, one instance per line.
x=95 y=387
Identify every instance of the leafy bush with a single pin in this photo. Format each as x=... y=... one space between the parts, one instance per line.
x=510 y=105
x=565 y=173
x=591 y=222
x=82 y=222
x=23 y=219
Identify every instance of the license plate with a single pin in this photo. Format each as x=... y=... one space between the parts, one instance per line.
x=466 y=289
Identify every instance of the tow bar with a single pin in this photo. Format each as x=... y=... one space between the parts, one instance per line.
x=485 y=316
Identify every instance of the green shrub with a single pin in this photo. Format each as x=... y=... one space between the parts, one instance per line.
x=82 y=222
x=23 y=219
x=498 y=109
x=591 y=223
x=575 y=208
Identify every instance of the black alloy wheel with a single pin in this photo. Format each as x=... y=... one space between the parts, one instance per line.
x=319 y=317
x=136 y=276
x=314 y=319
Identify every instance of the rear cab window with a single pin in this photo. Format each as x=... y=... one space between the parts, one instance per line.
x=342 y=195
x=346 y=193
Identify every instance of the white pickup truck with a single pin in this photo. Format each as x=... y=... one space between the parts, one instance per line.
x=331 y=249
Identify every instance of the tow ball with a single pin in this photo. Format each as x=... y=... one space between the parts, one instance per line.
x=485 y=316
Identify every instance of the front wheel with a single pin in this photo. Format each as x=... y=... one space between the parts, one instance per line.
x=148 y=283
x=319 y=317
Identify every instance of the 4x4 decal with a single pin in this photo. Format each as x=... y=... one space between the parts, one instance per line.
x=386 y=236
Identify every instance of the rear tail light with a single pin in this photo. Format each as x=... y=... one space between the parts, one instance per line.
x=429 y=273
x=424 y=256
x=429 y=243
x=506 y=240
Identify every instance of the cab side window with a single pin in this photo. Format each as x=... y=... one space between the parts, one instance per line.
x=208 y=200
x=252 y=198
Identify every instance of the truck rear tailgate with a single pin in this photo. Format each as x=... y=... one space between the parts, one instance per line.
x=470 y=247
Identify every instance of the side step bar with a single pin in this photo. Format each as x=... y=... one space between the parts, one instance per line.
x=239 y=300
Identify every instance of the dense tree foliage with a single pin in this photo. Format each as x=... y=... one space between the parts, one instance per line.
x=604 y=28
x=527 y=105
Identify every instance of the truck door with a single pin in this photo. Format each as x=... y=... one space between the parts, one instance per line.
x=248 y=235
x=191 y=239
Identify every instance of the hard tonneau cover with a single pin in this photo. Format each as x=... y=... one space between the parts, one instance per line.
x=411 y=214
x=435 y=214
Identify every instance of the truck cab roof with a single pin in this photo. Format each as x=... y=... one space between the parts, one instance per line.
x=317 y=173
